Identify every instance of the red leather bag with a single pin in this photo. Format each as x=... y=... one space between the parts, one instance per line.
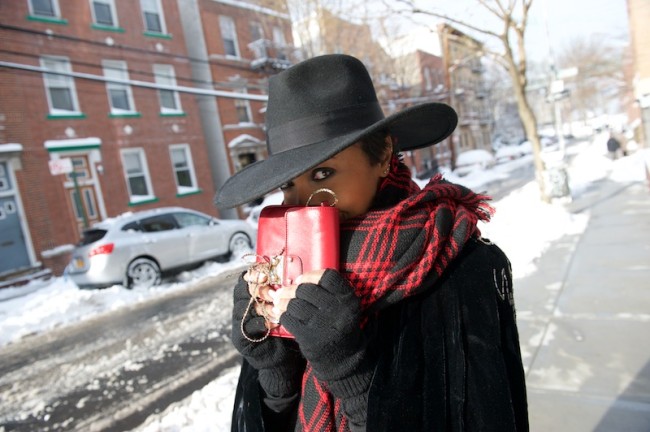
x=292 y=240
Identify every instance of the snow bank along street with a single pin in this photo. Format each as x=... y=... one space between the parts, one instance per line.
x=112 y=371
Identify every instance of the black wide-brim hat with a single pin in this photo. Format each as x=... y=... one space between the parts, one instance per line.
x=318 y=108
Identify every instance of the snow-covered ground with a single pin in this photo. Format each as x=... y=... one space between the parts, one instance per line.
x=40 y=307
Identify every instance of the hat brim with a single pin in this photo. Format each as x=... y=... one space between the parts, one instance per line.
x=414 y=127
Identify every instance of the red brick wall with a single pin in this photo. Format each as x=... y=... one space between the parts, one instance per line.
x=49 y=215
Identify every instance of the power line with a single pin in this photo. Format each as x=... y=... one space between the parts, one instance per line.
x=128 y=48
x=136 y=83
x=116 y=46
x=74 y=62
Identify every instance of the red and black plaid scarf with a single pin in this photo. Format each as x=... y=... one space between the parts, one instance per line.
x=409 y=235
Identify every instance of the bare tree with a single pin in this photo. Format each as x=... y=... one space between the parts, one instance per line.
x=511 y=18
x=335 y=26
x=597 y=63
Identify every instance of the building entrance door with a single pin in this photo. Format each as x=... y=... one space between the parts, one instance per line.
x=81 y=190
x=13 y=249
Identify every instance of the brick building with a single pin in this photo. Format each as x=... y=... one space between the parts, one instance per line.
x=107 y=87
x=467 y=89
x=420 y=78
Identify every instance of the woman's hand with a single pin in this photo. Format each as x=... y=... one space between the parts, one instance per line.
x=278 y=360
x=281 y=297
x=324 y=315
x=261 y=291
x=249 y=328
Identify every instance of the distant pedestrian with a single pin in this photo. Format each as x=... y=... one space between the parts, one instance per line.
x=613 y=146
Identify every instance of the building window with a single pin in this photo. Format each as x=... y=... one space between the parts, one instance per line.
x=104 y=12
x=243 y=109
x=61 y=93
x=44 y=8
x=229 y=36
x=119 y=95
x=169 y=100
x=428 y=84
x=257 y=32
x=80 y=169
x=137 y=175
x=5 y=184
x=183 y=168
x=280 y=43
x=153 y=17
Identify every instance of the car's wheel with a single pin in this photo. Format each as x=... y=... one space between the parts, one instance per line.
x=239 y=244
x=143 y=273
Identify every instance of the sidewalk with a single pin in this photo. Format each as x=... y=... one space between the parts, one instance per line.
x=584 y=318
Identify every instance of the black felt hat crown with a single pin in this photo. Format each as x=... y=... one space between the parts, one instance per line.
x=318 y=108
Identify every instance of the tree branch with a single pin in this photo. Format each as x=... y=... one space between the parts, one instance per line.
x=416 y=10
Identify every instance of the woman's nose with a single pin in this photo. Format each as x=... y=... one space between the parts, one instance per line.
x=297 y=194
x=290 y=197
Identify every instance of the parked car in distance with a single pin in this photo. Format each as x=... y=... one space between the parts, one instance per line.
x=472 y=160
x=137 y=249
x=510 y=152
x=274 y=198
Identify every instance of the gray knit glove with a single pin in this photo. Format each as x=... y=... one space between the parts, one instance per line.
x=325 y=320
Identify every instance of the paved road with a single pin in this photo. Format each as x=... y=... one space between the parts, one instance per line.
x=111 y=372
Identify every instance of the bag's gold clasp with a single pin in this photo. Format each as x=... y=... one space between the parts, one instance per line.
x=324 y=190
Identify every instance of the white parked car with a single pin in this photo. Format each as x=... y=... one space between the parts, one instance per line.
x=274 y=198
x=137 y=249
x=509 y=152
x=472 y=160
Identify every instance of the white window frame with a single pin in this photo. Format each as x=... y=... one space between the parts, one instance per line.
x=428 y=84
x=165 y=74
x=278 y=37
x=185 y=148
x=117 y=69
x=153 y=6
x=243 y=103
x=60 y=81
x=140 y=154
x=279 y=42
x=259 y=28
x=111 y=6
x=229 y=31
x=55 y=8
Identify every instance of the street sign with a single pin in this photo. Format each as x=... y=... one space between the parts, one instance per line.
x=567 y=73
x=557 y=86
x=60 y=166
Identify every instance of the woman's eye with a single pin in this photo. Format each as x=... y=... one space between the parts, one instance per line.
x=286 y=186
x=321 y=173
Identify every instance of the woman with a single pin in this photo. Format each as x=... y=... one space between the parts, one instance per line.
x=416 y=330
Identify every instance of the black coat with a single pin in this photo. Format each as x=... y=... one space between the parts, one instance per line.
x=450 y=357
